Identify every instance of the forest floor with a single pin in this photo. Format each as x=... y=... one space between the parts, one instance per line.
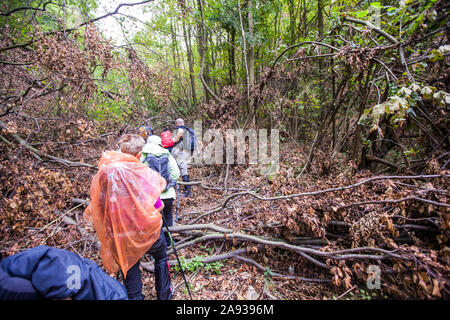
x=261 y=253
x=269 y=273
x=233 y=279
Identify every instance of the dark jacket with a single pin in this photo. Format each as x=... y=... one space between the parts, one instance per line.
x=50 y=273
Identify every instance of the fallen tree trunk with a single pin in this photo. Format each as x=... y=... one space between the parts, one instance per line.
x=318 y=192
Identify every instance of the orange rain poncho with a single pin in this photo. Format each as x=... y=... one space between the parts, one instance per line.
x=123 y=194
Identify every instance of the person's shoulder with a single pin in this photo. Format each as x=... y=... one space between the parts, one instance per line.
x=147 y=148
x=163 y=151
x=172 y=158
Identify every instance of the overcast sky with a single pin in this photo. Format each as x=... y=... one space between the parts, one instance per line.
x=110 y=27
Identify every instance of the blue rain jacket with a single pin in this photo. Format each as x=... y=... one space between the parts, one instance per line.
x=49 y=273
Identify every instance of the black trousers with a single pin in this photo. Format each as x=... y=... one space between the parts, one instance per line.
x=133 y=281
x=168 y=216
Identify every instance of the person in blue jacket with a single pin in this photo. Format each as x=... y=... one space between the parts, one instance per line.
x=44 y=272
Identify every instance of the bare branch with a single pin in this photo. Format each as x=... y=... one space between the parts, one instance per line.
x=374 y=28
x=8 y=13
x=319 y=192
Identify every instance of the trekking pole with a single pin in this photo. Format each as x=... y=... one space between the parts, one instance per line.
x=176 y=255
x=178 y=203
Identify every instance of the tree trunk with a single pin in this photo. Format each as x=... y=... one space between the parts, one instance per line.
x=202 y=52
x=320 y=17
x=231 y=56
x=250 y=49
x=358 y=131
x=292 y=21
x=187 y=40
x=251 y=58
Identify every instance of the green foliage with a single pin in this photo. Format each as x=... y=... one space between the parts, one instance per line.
x=303 y=90
x=197 y=263
x=69 y=12
x=268 y=273
x=214 y=266
x=400 y=105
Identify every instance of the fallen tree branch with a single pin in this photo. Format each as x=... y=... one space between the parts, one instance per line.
x=318 y=192
x=376 y=159
x=40 y=154
x=422 y=188
x=149 y=266
x=346 y=292
x=83 y=232
x=440 y=204
x=344 y=254
x=210 y=226
x=276 y=274
x=300 y=44
x=201 y=184
x=305 y=252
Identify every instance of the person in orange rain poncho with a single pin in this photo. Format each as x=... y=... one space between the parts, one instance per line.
x=125 y=210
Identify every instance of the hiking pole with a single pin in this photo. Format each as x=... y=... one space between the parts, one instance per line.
x=176 y=255
x=178 y=203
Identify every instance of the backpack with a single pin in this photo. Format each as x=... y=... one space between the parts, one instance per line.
x=161 y=164
x=192 y=143
x=167 y=139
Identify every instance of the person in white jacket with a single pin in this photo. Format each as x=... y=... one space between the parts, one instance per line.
x=153 y=151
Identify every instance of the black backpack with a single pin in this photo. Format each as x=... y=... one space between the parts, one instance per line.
x=192 y=143
x=161 y=164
